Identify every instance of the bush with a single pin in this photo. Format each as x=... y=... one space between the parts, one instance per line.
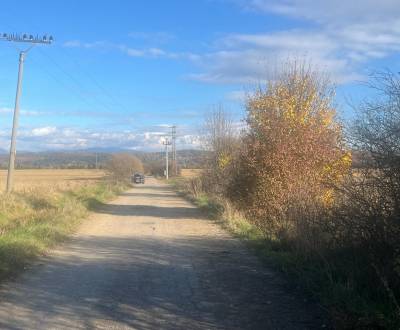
x=122 y=166
x=367 y=219
x=292 y=154
x=155 y=167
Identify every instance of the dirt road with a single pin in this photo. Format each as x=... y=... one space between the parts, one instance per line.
x=149 y=260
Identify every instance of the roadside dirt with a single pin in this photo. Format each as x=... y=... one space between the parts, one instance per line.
x=149 y=260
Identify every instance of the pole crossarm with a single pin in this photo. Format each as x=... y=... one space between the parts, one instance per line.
x=26 y=38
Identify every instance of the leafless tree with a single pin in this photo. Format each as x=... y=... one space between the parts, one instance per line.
x=369 y=217
x=221 y=140
x=121 y=166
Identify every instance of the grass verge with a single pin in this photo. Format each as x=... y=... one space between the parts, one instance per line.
x=34 y=220
x=338 y=281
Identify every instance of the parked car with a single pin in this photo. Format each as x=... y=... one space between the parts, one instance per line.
x=138 y=178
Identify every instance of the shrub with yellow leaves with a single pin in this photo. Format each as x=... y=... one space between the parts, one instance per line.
x=293 y=152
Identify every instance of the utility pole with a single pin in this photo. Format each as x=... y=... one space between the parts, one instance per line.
x=167 y=142
x=174 y=163
x=97 y=161
x=33 y=40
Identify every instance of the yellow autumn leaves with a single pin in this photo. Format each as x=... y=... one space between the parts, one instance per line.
x=294 y=153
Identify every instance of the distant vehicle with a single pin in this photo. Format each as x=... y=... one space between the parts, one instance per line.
x=138 y=178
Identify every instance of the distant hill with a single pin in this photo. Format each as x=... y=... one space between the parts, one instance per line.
x=87 y=158
x=185 y=158
x=55 y=160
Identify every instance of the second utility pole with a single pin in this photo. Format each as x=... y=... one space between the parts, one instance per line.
x=166 y=143
x=174 y=163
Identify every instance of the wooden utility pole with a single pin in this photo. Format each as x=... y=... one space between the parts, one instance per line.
x=33 y=40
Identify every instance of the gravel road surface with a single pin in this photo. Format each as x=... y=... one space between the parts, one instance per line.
x=150 y=260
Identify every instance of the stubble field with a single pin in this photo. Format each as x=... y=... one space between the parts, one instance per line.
x=51 y=178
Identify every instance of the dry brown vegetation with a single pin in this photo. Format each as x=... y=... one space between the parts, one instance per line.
x=292 y=154
x=191 y=172
x=45 y=207
x=122 y=166
x=52 y=178
x=286 y=185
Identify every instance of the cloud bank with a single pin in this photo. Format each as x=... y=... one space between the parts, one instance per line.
x=67 y=138
x=338 y=37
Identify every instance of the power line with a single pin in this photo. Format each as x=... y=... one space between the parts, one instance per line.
x=95 y=81
x=72 y=78
x=77 y=92
x=76 y=82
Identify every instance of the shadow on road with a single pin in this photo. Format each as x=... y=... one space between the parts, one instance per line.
x=156 y=195
x=150 y=211
x=147 y=283
x=154 y=279
x=149 y=195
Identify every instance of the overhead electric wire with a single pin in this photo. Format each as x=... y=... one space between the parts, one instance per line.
x=76 y=91
x=75 y=81
x=81 y=68
x=81 y=89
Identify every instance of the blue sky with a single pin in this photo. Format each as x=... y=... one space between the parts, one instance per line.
x=121 y=71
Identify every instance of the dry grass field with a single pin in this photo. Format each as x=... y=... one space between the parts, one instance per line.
x=45 y=208
x=190 y=172
x=51 y=178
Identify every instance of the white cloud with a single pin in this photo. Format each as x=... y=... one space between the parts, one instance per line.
x=32 y=113
x=80 y=44
x=72 y=44
x=341 y=48
x=329 y=11
x=191 y=140
x=67 y=138
x=237 y=96
x=29 y=113
x=342 y=39
x=44 y=131
x=5 y=110
x=249 y=64
x=134 y=52
x=152 y=37
x=147 y=52
x=370 y=26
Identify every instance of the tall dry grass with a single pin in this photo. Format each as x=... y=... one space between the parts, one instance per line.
x=34 y=218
